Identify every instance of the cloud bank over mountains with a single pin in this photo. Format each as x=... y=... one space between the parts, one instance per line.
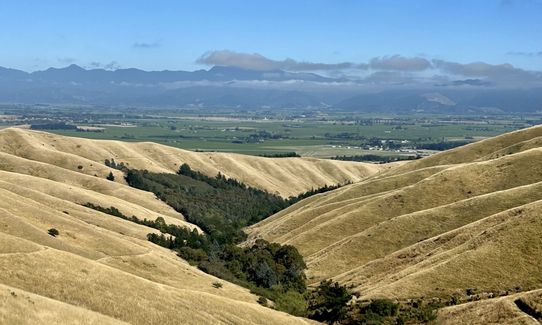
x=259 y=62
x=394 y=69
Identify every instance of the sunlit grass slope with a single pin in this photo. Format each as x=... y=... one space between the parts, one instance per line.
x=466 y=218
x=99 y=269
x=286 y=176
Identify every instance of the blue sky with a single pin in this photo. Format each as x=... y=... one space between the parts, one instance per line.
x=157 y=35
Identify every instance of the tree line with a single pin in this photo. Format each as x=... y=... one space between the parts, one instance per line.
x=221 y=207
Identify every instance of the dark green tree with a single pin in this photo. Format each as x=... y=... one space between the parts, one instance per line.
x=328 y=303
x=185 y=170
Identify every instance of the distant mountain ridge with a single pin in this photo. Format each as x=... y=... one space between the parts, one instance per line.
x=232 y=87
x=75 y=73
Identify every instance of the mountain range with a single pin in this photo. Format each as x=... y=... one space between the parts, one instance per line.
x=232 y=87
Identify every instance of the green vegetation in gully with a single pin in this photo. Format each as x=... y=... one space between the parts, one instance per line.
x=221 y=207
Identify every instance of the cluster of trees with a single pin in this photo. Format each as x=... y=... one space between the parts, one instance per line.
x=53 y=126
x=441 y=146
x=281 y=155
x=221 y=207
x=332 y=303
x=112 y=164
x=272 y=270
x=218 y=205
x=375 y=158
x=314 y=191
x=259 y=137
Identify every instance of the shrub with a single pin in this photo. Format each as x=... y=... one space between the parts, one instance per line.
x=53 y=232
x=217 y=285
x=329 y=302
x=110 y=177
x=191 y=254
x=382 y=307
x=454 y=300
x=262 y=301
x=292 y=302
x=376 y=312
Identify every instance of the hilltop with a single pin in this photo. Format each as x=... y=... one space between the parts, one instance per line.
x=284 y=176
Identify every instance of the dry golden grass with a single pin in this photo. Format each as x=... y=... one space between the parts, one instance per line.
x=94 y=286
x=474 y=151
x=285 y=176
x=499 y=252
x=101 y=266
x=466 y=218
x=144 y=199
x=21 y=307
x=100 y=269
x=494 y=311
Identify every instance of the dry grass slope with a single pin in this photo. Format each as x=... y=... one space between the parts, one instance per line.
x=21 y=307
x=495 y=311
x=464 y=218
x=101 y=269
x=102 y=266
x=285 y=176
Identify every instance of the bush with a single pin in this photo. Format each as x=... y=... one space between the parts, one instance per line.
x=292 y=302
x=382 y=307
x=379 y=311
x=329 y=302
x=110 y=177
x=191 y=254
x=262 y=301
x=217 y=285
x=384 y=311
x=53 y=232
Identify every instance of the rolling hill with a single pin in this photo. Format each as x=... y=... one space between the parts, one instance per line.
x=462 y=223
x=284 y=176
x=101 y=269
x=464 y=220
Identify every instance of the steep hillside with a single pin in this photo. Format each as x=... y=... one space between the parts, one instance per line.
x=467 y=218
x=523 y=308
x=101 y=269
x=285 y=176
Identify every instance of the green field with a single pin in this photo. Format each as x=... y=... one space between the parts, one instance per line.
x=318 y=134
x=311 y=138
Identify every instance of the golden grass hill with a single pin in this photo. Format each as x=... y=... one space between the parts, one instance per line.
x=464 y=223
